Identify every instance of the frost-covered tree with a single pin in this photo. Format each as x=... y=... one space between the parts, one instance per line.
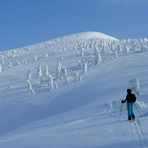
x=135 y=86
x=18 y=62
x=36 y=57
x=85 y=67
x=39 y=71
x=55 y=85
x=77 y=77
x=46 y=71
x=77 y=51
x=10 y=65
x=64 y=74
x=25 y=61
x=30 y=89
x=115 y=53
x=97 y=55
x=50 y=81
x=52 y=84
x=82 y=52
x=79 y=64
x=29 y=74
x=58 y=71
x=46 y=55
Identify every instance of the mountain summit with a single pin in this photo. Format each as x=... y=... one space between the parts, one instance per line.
x=88 y=36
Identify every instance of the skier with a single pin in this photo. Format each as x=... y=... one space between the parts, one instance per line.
x=130 y=99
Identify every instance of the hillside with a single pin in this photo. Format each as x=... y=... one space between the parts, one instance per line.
x=80 y=106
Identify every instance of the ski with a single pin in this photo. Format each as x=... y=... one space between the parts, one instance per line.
x=132 y=120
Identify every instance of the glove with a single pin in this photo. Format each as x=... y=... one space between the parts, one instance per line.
x=122 y=101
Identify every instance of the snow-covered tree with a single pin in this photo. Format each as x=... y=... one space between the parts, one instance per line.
x=30 y=89
x=36 y=57
x=25 y=61
x=39 y=71
x=55 y=85
x=10 y=65
x=52 y=84
x=46 y=71
x=29 y=75
x=58 y=71
x=85 y=67
x=18 y=62
x=82 y=52
x=46 y=55
x=79 y=64
x=50 y=81
x=115 y=54
x=135 y=86
x=77 y=77
x=97 y=55
x=64 y=74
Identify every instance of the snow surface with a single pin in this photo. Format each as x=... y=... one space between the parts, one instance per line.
x=82 y=114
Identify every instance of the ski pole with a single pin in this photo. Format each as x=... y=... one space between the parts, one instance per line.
x=120 y=112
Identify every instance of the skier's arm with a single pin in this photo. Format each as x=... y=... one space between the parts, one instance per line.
x=123 y=101
x=126 y=99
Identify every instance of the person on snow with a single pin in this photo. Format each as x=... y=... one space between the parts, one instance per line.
x=130 y=99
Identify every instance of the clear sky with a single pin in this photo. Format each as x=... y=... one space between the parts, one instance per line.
x=26 y=22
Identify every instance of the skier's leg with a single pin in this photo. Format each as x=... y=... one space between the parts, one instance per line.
x=129 y=111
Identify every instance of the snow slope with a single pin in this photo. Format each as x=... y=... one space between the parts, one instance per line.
x=82 y=114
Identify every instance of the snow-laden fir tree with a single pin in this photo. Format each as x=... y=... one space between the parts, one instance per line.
x=135 y=86
x=115 y=53
x=36 y=58
x=58 y=71
x=97 y=55
x=82 y=52
x=50 y=81
x=52 y=84
x=55 y=85
x=30 y=89
x=18 y=62
x=10 y=65
x=46 y=71
x=76 y=51
x=39 y=71
x=79 y=64
x=46 y=55
x=25 y=61
x=29 y=74
x=85 y=66
x=64 y=74
x=77 y=77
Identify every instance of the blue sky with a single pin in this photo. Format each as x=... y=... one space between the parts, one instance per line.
x=26 y=22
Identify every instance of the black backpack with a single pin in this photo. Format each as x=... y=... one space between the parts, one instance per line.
x=133 y=99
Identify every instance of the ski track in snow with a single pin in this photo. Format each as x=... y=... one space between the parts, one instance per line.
x=139 y=134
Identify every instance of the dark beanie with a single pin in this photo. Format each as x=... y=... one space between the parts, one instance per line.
x=128 y=90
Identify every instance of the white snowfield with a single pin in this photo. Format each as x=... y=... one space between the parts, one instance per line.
x=57 y=94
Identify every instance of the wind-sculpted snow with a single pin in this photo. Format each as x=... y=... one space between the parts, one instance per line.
x=67 y=92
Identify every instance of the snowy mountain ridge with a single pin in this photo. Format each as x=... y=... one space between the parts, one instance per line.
x=68 y=93
x=81 y=37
